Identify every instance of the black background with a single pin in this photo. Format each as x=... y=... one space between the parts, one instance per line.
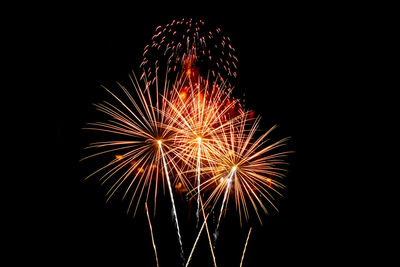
x=293 y=67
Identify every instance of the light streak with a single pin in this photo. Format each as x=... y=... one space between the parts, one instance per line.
x=228 y=186
x=204 y=225
x=197 y=239
x=245 y=246
x=198 y=179
x=151 y=232
x=208 y=234
x=174 y=215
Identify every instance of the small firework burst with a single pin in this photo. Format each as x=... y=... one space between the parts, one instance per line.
x=190 y=46
x=246 y=167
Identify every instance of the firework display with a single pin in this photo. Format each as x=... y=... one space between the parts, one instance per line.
x=185 y=132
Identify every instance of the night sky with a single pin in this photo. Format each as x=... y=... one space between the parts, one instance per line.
x=288 y=61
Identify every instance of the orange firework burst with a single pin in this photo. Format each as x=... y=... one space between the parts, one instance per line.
x=200 y=112
x=246 y=167
x=140 y=124
x=147 y=138
x=197 y=118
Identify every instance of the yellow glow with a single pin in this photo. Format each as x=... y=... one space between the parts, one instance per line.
x=159 y=142
x=183 y=95
x=198 y=139
x=234 y=168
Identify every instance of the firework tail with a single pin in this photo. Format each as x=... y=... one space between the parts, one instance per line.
x=174 y=215
x=245 y=246
x=151 y=232
x=229 y=182
x=198 y=181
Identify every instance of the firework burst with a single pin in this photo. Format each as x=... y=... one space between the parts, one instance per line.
x=192 y=134
x=137 y=125
x=142 y=158
x=200 y=112
x=190 y=45
x=246 y=167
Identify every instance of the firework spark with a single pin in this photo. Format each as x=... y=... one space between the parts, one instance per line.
x=198 y=178
x=151 y=232
x=245 y=246
x=175 y=216
x=228 y=187
x=197 y=239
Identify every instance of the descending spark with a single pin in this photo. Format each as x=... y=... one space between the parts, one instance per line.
x=198 y=180
x=151 y=232
x=172 y=201
x=229 y=182
x=245 y=246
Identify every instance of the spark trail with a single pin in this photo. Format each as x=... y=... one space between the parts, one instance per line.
x=245 y=246
x=174 y=215
x=151 y=232
x=229 y=183
x=198 y=180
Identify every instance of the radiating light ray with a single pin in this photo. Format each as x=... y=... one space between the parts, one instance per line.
x=174 y=215
x=151 y=232
x=245 y=246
